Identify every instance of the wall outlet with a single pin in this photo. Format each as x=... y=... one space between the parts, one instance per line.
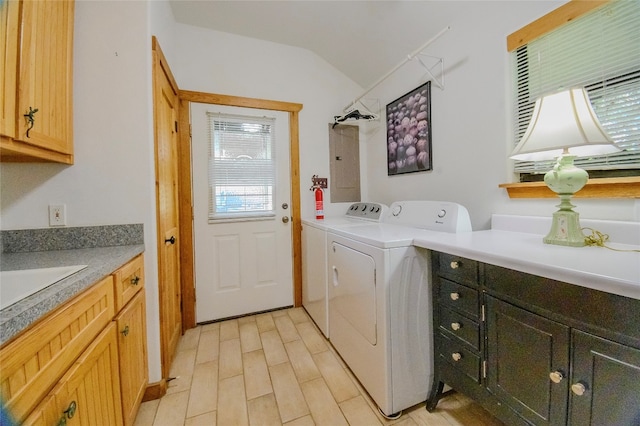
x=57 y=215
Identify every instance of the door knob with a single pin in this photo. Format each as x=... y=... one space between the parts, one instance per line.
x=285 y=219
x=285 y=206
x=171 y=240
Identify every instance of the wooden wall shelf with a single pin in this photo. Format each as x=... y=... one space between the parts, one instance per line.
x=625 y=187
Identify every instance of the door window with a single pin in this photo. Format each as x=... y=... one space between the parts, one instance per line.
x=241 y=167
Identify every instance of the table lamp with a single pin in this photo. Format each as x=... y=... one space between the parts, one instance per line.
x=565 y=126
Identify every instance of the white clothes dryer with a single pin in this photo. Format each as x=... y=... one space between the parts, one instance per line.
x=314 y=256
x=380 y=309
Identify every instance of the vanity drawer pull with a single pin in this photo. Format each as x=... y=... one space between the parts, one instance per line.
x=556 y=376
x=455 y=295
x=456 y=356
x=455 y=326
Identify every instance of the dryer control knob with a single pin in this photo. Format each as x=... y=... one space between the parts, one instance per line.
x=397 y=209
x=442 y=213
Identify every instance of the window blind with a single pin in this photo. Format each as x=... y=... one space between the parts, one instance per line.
x=241 y=166
x=600 y=52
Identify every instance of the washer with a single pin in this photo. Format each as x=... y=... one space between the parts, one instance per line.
x=380 y=310
x=314 y=249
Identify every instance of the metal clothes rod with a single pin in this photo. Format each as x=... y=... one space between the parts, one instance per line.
x=410 y=56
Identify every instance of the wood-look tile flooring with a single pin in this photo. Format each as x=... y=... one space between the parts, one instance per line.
x=277 y=368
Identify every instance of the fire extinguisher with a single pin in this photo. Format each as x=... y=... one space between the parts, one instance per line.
x=319 y=202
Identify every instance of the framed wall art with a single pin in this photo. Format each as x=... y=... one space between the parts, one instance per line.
x=409 y=132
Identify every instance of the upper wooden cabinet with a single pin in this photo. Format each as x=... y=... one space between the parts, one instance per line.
x=36 y=84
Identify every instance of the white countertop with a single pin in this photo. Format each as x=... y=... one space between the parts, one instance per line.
x=598 y=268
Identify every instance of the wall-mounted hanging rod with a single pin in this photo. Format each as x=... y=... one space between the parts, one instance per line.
x=410 y=56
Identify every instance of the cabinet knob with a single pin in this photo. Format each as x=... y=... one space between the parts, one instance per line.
x=456 y=356
x=455 y=326
x=578 y=388
x=556 y=376
x=135 y=280
x=171 y=240
x=455 y=295
x=455 y=264
x=125 y=331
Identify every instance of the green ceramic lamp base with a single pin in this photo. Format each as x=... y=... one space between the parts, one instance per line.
x=565 y=179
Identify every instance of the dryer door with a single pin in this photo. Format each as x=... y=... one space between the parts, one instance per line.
x=353 y=289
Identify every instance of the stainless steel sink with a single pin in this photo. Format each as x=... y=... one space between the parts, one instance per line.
x=16 y=285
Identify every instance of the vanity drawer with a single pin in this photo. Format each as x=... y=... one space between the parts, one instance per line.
x=129 y=279
x=35 y=360
x=458 y=269
x=460 y=326
x=456 y=354
x=459 y=297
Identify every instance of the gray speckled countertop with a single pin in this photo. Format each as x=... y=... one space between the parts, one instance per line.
x=101 y=262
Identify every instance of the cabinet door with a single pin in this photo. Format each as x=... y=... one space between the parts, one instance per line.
x=9 y=24
x=89 y=394
x=523 y=350
x=45 y=74
x=605 y=382
x=132 y=348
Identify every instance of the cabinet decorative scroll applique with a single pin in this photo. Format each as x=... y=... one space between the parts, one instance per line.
x=36 y=81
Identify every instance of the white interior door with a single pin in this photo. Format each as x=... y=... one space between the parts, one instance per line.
x=243 y=260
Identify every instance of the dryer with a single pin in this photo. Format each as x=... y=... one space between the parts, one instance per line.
x=314 y=255
x=380 y=309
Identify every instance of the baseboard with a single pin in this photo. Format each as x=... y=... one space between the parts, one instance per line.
x=155 y=390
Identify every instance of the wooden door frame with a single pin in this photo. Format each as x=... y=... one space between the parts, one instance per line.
x=186 y=196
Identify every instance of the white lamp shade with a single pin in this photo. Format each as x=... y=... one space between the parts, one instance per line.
x=563 y=121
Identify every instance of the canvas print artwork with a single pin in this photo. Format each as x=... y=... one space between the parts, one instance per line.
x=409 y=132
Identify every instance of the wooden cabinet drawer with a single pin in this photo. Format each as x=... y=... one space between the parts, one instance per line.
x=459 y=297
x=34 y=362
x=456 y=354
x=458 y=269
x=129 y=279
x=461 y=327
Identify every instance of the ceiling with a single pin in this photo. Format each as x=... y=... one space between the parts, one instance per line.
x=362 y=39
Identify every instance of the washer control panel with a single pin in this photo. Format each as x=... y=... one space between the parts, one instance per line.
x=369 y=211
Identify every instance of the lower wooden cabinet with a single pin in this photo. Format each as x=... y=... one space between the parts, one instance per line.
x=85 y=363
x=89 y=393
x=543 y=352
x=132 y=348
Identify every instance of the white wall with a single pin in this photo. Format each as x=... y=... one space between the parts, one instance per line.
x=217 y=62
x=470 y=119
x=112 y=180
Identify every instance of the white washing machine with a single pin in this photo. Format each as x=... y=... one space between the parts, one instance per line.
x=380 y=310
x=314 y=256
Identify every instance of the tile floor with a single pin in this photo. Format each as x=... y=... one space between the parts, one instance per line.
x=277 y=369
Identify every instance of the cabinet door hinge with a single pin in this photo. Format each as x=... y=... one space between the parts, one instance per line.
x=176 y=124
x=484 y=369
x=482 y=313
